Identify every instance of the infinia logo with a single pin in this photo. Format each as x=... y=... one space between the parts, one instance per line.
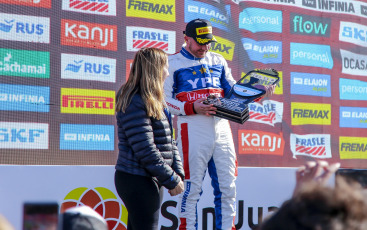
x=311 y=114
x=258 y=142
x=353 y=33
x=90 y=35
x=353 y=117
x=261 y=20
x=102 y=7
x=270 y=112
x=163 y=11
x=310 y=84
x=353 y=147
x=312 y=145
x=353 y=64
x=311 y=55
x=34 y=3
x=310 y=25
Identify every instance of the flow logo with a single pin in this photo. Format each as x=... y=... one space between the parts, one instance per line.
x=311 y=55
x=310 y=114
x=353 y=117
x=261 y=20
x=352 y=89
x=354 y=64
x=353 y=147
x=84 y=67
x=101 y=7
x=312 y=145
x=24 y=28
x=151 y=9
x=310 y=25
x=263 y=51
x=310 y=84
x=258 y=142
x=34 y=3
x=270 y=112
x=353 y=33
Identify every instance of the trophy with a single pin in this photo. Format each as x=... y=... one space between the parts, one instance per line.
x=234 y=106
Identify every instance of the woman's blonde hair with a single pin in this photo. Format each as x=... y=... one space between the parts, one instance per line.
x=146 y=76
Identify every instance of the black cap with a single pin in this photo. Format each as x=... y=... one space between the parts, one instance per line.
x=200 y=30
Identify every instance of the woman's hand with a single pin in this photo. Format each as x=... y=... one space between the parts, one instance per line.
x=177 y=190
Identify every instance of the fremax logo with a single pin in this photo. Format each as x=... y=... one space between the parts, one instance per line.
x=310 y=25
x=312 y=145
x=224 y=47
x=261 y=20
x=310 y=114
x=24 y=98
x=353 y=33
x=263 y=51
x=84 y=67
x=270 y=112
x=311 y=55
x=101 y=7
x=24 y=28
x=352 y=89
x=151 y=9
x=86 y=137
x=353 y=147
x=140 y=37
x=353 y=117
x=15 y=135
x=34 y=3
x=310 y=84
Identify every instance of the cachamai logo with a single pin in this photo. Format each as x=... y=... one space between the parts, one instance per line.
x=310 y=25
x=313 y=145
x=258 y=142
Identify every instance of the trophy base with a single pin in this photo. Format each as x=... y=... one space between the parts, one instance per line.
x=230 y=109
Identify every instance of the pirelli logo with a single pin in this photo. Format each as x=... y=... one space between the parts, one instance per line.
x=204 y=30
x=87 y=101
x=311 y=114
x=353 y=147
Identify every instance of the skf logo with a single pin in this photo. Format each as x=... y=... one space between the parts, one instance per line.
x=312 y=145
x=224 y=47
x=258 y=142
x=87 y=101
x=353 y=33
x=140 y=37
x=34 y=3
x=311 y=114
x=152 y=9
x=270 y=112
x=90 y=35
x=102 y=7
x=266 y=81
x=353 y=147
x=15 y=135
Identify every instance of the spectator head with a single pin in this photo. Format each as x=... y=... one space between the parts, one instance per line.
x=82 y=218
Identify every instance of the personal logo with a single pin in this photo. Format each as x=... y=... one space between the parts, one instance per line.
x=15 y=27
x=261 y=20
x=353 y=63
x=224 y=47
x=310 y=84
x=310 y=114
x=101 y=7
x=352 y=147
x=353 y=117
x=17 y=63
x=34 y=3
x=310 y=25
x=311 y=55
x=353 y=33
x=350 y=89
x=263 y=51
x=269 y=112
x=152 y=9
x=140 y=37
x=311 y=145
x=260 y=143
x=100 y=199
x=89 y=35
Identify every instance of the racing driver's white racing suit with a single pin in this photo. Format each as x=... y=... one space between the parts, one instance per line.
x=205 y=142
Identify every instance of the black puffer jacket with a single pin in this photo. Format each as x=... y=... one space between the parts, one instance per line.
x=146 y=146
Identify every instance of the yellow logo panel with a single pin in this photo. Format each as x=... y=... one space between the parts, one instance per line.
x=163 y=10
x=204 y=30
x=279 y=85
x=310 y=114
x=353 y=147
x=224 y=47
x=87 y=101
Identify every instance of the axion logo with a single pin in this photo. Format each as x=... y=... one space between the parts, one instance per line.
x=90 y=35
x=258 y=142
x=354 y=64
x=310 y=84
x=140 y=37
x=224 y=47
x=313 y=145
x=353 y=33
x=310 y=25
x=163 y=11
x=24 y=28
x=261 y=20
x=353 y=117
x=270 y=112
x=310 y=113
x=34 y=3
x=102 y=7
x=103 y=201
x=353 y=147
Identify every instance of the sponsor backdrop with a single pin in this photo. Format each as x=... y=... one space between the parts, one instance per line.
x=62 y=61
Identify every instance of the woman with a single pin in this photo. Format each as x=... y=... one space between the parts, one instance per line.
x=148 y=157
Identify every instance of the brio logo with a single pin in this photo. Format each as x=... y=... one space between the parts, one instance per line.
x=87 y=137
x=103 y=201
x=353 y=33
x=310 y=25
x=352 y=89
x=224 y=47
x=353 y=117
x=263 y=51
x=14 y=135
x=34 y=3
x=353 y=147
x=312 y=145
x=18 y=63
x=101 y=7
x=218 y=18
x=90 y=35
x=87 y=101
x=24 y=28
x=311 y=55
x=24 y=98
x=353 y=64
x=151 y=9
x=270 y=112
x=84 y=67
x=310 y=84
x=310 y=114
x=261 y=20
x=258 y=142
x=140 y=37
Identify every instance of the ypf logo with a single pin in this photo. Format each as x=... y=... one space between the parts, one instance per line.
x=103 y=201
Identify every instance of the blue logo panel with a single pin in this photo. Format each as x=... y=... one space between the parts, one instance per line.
x=311 y=55
x=353 y=117
x=87 y=137
x=310 y=84
x=261 y=20
x=24 y=98
x=352 y=89
x=263 y=51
